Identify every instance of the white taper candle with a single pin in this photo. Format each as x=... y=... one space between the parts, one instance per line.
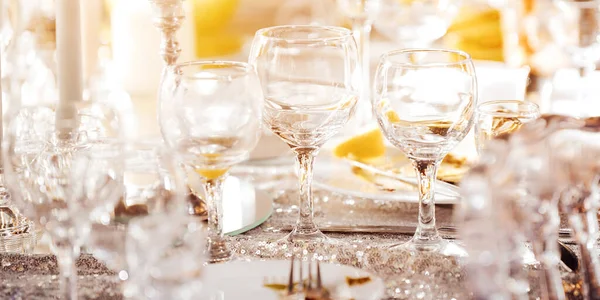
x=69 y=56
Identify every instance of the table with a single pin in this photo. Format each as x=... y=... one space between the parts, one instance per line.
x=35 y=276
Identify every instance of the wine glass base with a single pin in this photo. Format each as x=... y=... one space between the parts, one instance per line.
x=436 y=246
x=313 y=246
x=219 y=253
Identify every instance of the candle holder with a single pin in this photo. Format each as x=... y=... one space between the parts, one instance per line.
x=168 y=18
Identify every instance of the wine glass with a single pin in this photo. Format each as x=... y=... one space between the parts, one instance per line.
x=37 y=168
x=150 y=178
x=425 y=102
x=494 y=118
x=576 y=29
x=210 y=113
x=310 y=79
x=361 y=14
x=416 y=23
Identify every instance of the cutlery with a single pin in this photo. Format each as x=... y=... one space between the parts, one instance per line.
x=310 y=288
x=443 y=189
x=450 y=231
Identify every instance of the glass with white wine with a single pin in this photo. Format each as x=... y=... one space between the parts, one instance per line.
x=310 y=77
x=425 y=102
x=210 y=113
x=495 y=118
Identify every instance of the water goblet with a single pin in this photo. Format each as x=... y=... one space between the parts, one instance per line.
x=210 y=114
x=495 y=118
x=424 y=102
x=310 y=80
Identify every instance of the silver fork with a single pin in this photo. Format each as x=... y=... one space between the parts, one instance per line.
x=311 y=289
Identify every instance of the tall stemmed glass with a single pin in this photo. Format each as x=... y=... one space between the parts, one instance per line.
x=362 y=13
x=576 y=29
x=425 y=101
x=37 y=168
x=210 y=113
x=416 y=23
x=310 y=79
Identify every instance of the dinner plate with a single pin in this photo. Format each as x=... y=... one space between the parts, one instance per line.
x=246 y=280
x=337 y=176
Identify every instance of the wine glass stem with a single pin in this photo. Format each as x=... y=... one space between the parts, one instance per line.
x=588 y=234
x=305 y=158
x=426 y=232
x=584 y=72
x=361 y=29
x=551 y=283
x=66 y=257
x=213 y=190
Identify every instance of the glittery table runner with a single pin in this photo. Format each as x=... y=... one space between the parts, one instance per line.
x=406 y=276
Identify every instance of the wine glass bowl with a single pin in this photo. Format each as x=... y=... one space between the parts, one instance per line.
x=210 y=113
x=150 y=185
x=495 y=118
x=218 y=106
x=415 y=23
x=425 y=102
x=307 y=99
x=310 y=76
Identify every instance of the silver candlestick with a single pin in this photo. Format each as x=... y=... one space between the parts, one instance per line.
x=168 y=18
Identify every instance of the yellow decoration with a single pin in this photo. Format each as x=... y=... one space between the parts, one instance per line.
x=212 y=19
x=362 y=147
x=392 y=116
x=213 y=15
x=477 y=31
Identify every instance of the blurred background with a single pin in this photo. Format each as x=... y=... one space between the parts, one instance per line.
x=121 y=45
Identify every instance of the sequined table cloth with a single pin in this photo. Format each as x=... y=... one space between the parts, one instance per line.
x=429 y=277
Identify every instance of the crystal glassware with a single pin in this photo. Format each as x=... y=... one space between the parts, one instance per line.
x=210 y=114
x=425 y=103
x=576 y=29
x=310 y=80
x=361 y=14
x=495 y=118
x=150 y=180
x=171 y=272
x=416 y=23
x=168 y=19
x=38 y=177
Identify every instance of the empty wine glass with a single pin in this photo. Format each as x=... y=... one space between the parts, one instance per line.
x=576 y=29
x=361 y=14
x=151 y=181
x=494 y=118
x=210 y=113
x=425 y=101
x=171 y=272
x=416 y=23
x=37 y=168
x=310 y=79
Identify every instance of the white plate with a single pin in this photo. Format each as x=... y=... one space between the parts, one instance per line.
x=245 y=280
x=335 y=175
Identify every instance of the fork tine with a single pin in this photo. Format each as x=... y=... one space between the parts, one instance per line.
x=301 y=281
x=290 y=287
